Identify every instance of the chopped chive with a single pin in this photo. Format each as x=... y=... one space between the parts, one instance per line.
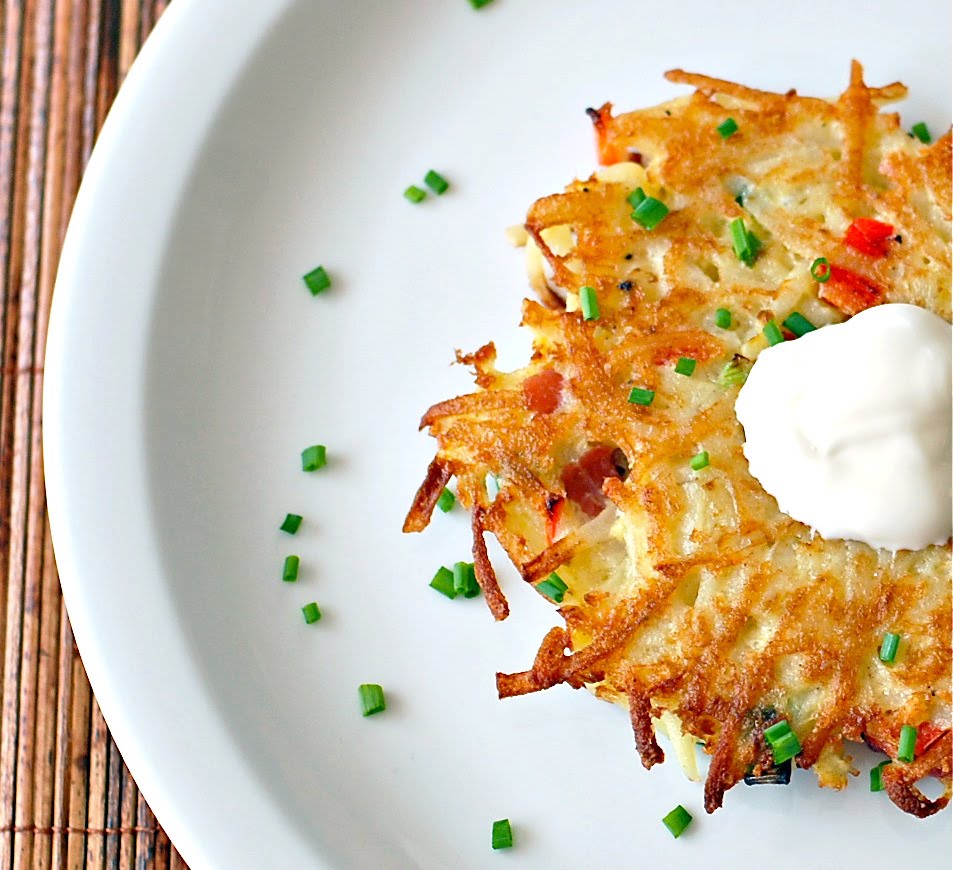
x=414 y=194
x=821 y=270
x=635 y=198
x=372 y=699
x=677 y=820
x=311 y=613
x=291 y=524
x=446 y=500
x=727 y=128
x=553 y=587
x=799 y=324
x=502 y=832
x=436 y=182
x=740 y=199
x=464 y=580
x=723 y=318
x=317 y=280
x=876 y=776
x=649 y=213
x=734 y=372
x=888 y=649
x=314 y=457
x=921 y=132
x=745 y=243
x=638 y=396
x=289 y=573
x=479 y=4
x=699 y=461
x=783 y=741
x=906 y=747
x=443 y=582
x=589 y=303
x=772 y=332
x=686 y=366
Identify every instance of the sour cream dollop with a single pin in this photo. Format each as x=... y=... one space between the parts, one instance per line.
x=848 y=427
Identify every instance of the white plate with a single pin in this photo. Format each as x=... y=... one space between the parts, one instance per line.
x=188 y=367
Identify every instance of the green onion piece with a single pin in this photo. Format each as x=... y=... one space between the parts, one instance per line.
x=635 y=198
x=553 y=587
x=502 y=832
x=699 y=461
x=772 y=332
x=727 y=128
x=735 y=372
x=589 y=303
x=723 y=318
x=638 y=396
x=289 y=573
x=649 y=213
x=311 y=613
x=686 y=366
x=740 y=199
x=443 y=582
x=414 y=194
x=464 y=580
x=888 y=649
x=745 y=243
x=677 y=820
x=821 y=270
x=317 y=280
x=446 y=500
x=799 y=324
x=479 y=4
x=372 y=699
x=436 y=182
x=908 y=743
x=921 y=132
x=291 y=524
x=783 y=741
x=876 y=776
x=314 y=457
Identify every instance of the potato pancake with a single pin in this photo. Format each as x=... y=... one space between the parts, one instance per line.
x=688 y=597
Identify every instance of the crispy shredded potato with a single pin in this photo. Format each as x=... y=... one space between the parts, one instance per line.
x=691 y=598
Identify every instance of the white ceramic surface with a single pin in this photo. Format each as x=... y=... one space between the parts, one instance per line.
x=188 y=366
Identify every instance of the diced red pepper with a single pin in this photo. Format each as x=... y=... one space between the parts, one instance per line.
x=543 y=392
x=554 y=511
x=583 y=479
x=609 y=152
x=849 y=291
x=868 y=236
x=927 y=735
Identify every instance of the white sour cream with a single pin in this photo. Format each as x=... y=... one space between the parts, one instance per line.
x=848 y=427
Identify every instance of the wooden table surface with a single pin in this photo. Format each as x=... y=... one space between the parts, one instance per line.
x=68 y=800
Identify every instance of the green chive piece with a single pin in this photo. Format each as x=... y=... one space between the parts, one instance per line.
x=677 y=820
x=735 y=372
x=636 y=197
x=740 y=199
x=821 y=270
x=589 y=303
x=464 y=580
x=289 y=573
x=553 y=587
x=317 y=280
x=414 y=194
x=921 y=132
x=699 y=461
x=443 y=582
x=291 y=524
x=876 y=776
x=799 y=324
x=638 y=396
x=888 y=649
x=908 y=744
x=479 y=4
x=723 y=318
x=772 y=332
x=436 y=182
x=745 y=243
x=311 y=613
x=727 y=128
x=502 y=832
x=783 y=741
x=649 y=213
x=686 y=366
x=446 y=500
x=372 y=699
x=314 y=457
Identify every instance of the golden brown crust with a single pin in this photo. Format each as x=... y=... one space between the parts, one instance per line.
x=899 y=780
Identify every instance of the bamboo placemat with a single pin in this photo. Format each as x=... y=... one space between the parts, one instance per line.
x=68 y=800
